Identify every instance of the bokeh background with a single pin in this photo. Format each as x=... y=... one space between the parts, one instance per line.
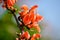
x=49 y=9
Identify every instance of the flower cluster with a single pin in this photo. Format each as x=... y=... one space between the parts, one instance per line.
x=8 y=3
x=30 y=18
x=26 y=36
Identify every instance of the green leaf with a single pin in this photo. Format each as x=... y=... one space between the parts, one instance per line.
x=18 y=9
x=31 y=31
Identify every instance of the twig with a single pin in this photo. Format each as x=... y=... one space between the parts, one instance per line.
x=13 y=12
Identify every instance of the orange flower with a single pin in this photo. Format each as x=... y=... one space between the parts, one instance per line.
x=35 y=36
x=29 y=17
x=25 y=35
x=10 y=3
x=25 y=10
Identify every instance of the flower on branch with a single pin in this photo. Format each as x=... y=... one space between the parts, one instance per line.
x=25 y=35
x=29 y=17
x=8 y=3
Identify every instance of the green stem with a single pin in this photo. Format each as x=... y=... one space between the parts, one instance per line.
x=13 y=12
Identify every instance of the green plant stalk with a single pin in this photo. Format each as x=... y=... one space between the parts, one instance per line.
x=13 y=12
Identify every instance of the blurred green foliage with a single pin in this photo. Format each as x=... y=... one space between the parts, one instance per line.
x=8 y=27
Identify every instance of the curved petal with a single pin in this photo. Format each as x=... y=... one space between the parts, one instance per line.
x=33 y=8
x=13 y=1
x=10 y=3
x=32 y=38
x=39 y=17
x=25 y=35
x=36 y=35
x=23 y=13
x=26 y=19
x=24 y=7
x=31 y=14
x=34 y=18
